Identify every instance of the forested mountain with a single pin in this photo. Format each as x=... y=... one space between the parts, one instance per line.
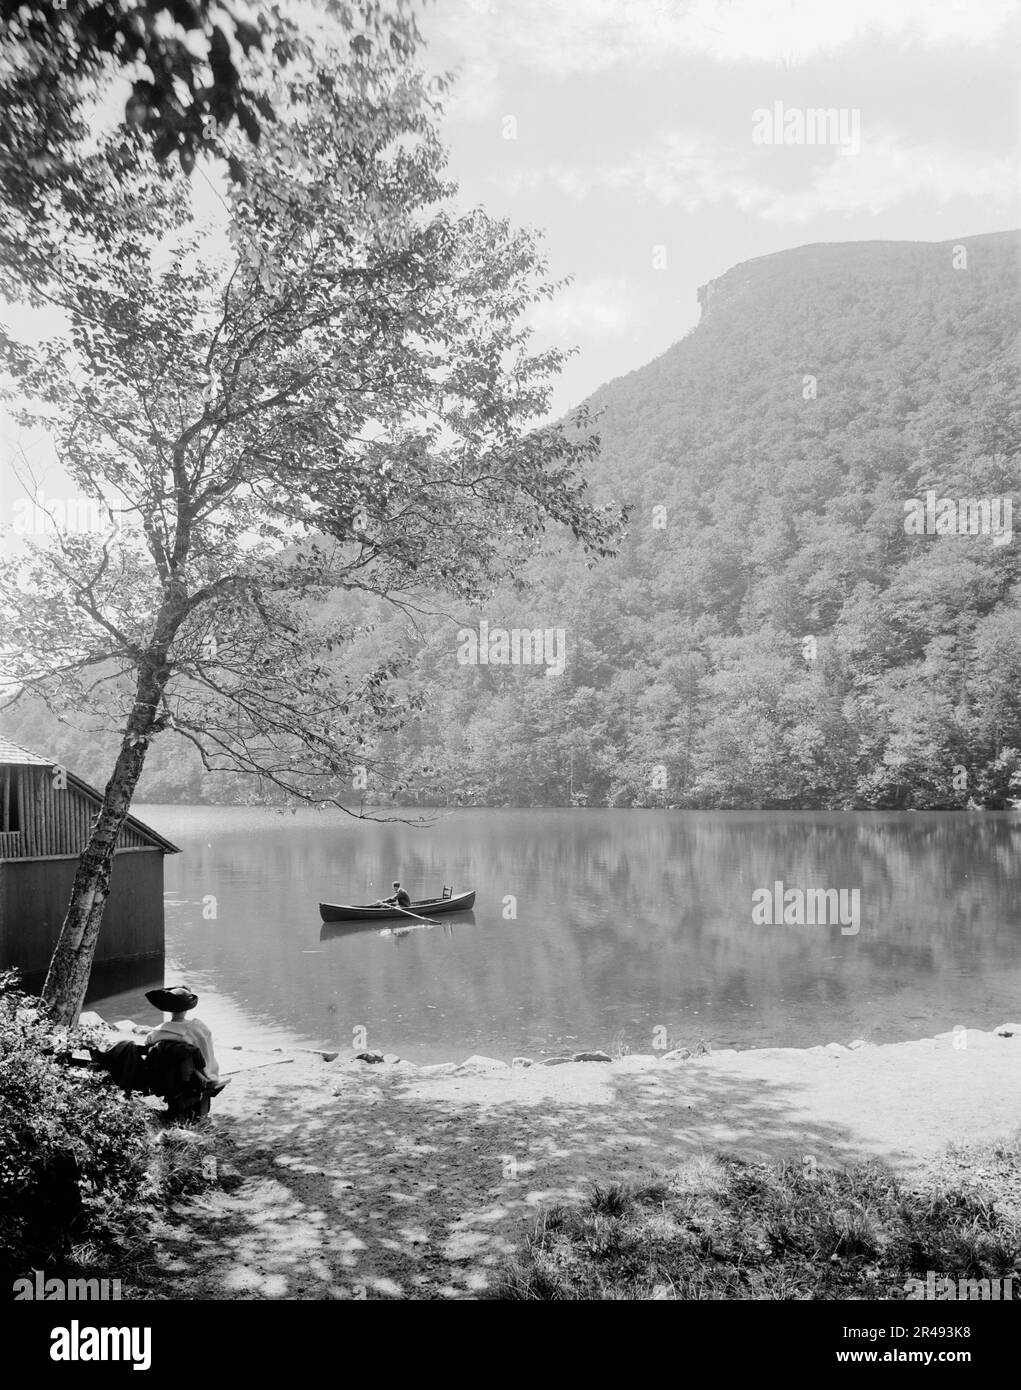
x=774 y=630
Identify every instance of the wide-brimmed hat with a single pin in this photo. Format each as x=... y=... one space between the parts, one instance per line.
x=176 y=999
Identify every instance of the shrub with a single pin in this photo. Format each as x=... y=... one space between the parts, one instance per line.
x=74 y=1152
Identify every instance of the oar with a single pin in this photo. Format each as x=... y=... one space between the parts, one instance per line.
x=427 y=920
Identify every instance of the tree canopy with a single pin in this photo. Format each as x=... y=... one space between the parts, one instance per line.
x=338 y=397
x=198 y=72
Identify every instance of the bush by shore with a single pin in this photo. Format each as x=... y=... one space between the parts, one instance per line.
x=83 y=1167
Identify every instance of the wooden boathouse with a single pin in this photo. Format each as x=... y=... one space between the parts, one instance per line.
x=45 y=818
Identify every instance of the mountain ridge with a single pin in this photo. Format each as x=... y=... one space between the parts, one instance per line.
x=768 y=458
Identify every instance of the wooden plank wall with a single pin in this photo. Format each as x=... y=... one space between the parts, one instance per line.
x=34 y=898
x=52 y=820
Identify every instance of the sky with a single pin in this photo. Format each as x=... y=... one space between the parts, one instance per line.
x=624 y=129
x=655 y=143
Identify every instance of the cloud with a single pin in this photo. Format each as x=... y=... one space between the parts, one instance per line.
x=886 y=173
x=488 y=38
x=600 y=308
x=475 y=94
x=681 y=167
x=690 y=169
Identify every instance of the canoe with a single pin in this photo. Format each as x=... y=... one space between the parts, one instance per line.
x=369 y=912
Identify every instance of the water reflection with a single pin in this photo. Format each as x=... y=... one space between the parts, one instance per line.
x=113 y=980
x=592 y=927
x=333 y=931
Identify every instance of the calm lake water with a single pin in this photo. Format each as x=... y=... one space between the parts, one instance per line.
x=626 y=922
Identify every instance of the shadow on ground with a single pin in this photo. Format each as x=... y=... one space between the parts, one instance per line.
x=379 y=1191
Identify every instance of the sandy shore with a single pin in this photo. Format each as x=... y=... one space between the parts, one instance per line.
x=358 y=1180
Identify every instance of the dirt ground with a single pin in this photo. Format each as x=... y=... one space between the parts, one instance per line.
x=359 y=1180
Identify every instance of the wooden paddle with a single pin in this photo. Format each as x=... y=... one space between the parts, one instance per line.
x=428 y=920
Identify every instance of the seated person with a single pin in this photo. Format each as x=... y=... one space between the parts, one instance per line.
x=175 y=1071
x=400 y=897
x=177 y=1001
x=176 y=1061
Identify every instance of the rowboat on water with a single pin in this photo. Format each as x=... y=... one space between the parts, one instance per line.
x=368 y=912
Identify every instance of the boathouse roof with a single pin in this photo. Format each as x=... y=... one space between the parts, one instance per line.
x=69 y=833
x=11 y=753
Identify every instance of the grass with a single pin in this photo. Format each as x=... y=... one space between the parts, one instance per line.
x=725 y=1229
x=183 y=1162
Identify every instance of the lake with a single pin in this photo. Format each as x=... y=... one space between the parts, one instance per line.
x=592 y=928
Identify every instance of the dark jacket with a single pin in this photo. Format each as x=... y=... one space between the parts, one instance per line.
x=166 y=1069
x=170 y=1070
x=125 y=1063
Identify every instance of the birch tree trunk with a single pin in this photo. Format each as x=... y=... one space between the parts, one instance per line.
x=67 y=979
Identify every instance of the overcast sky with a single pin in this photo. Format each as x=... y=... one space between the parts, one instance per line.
x=634 y=122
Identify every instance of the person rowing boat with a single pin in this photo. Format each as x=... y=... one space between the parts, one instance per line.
x=399 y=899
x=402 y=902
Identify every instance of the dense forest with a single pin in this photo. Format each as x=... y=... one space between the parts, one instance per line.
x=774 y=630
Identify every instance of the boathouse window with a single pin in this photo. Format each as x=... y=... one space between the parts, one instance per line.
x=9 y=800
